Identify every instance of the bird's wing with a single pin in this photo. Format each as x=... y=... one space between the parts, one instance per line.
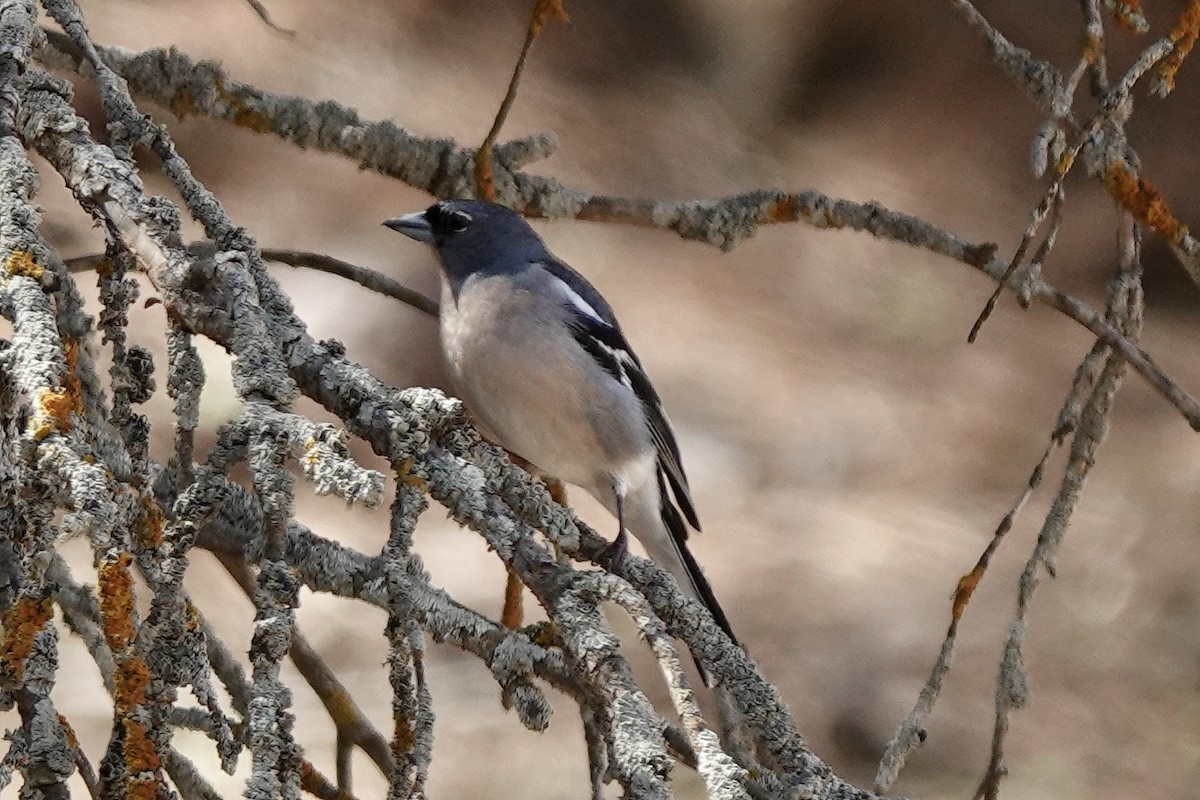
x=595 y=328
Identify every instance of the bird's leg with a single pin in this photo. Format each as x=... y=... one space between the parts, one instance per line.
x=616 y=551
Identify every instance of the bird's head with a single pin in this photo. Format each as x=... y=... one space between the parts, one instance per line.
x=473 y=236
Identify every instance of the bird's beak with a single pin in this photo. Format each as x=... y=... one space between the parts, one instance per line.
x=414 y=226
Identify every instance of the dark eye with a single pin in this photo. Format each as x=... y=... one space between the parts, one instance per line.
x=445 y=218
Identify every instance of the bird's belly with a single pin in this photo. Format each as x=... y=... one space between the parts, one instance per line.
x=523 y=424
x=528 y=391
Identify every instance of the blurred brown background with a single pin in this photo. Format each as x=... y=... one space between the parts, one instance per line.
x=849 y=452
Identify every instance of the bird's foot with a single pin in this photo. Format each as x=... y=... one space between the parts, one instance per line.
x=614 y=554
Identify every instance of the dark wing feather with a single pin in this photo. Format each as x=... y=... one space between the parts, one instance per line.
x=601 y=337
x=581 y=287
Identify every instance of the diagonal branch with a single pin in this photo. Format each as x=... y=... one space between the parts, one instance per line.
x=170 y=79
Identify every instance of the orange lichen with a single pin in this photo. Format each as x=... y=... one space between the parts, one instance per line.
x=105 y=266
x=183 y=104
x=117 y=602
x=149 y=528
x=785 y=209
x=131 y=679
x=966 y=587
x=543 y=12
x=1144 y=201
x=141 y=759
x=1184 y=34
x=243 y=115
x=194 y=623
x=72 y=739
x=1092 y=48
x=22 y=622
x=143 y=789
x=1128 y=14
x=22 y=263
x=71 y=383
x=546 y=636
x=55 y=406
x=140 y=754
x=405 y=736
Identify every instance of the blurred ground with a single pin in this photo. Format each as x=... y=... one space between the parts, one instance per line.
x=849 y=452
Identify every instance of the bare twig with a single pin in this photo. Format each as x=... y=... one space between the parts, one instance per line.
x=367 y=278
x=543 y=12
x=1050 y=206
x=364 y=276
x=265 y=16
x=1125 y=308
x=911 y=733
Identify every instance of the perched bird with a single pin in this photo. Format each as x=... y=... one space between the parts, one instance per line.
x=537 y=355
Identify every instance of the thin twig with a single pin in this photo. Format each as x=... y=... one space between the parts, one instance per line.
x=363 y=276
x=1052 y=200
x=265 y=16
x=543 y=11
x=911 y=733
x=1087 y=422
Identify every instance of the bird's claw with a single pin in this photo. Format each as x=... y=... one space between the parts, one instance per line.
x=614 y=554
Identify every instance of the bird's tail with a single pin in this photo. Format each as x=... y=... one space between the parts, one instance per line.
x=674 y=556
x=704 y=592
x=663 y=533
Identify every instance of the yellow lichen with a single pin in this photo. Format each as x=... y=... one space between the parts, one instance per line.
x=53 y=414
x=404 y=474
x=312 y=453
x=22 y=263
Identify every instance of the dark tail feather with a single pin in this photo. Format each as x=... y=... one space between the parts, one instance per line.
x=705 y=593
x=700 y=585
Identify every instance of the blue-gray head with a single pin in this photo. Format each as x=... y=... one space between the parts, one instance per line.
x=473 y=236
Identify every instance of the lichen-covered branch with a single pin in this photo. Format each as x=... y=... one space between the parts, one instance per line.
x=170 y=79
x=75 y=458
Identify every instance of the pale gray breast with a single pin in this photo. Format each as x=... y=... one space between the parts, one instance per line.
x=540 y=396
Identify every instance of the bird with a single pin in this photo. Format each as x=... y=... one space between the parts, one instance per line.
x=537 y=355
